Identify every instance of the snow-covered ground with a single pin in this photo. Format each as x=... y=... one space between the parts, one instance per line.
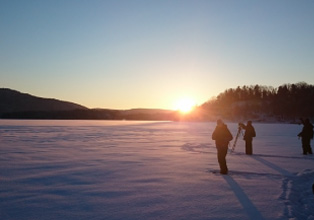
x=149 y=170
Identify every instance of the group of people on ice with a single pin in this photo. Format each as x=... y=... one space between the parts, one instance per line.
x=222 y=136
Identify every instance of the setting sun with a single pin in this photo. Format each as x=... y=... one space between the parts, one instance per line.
x=185 y=105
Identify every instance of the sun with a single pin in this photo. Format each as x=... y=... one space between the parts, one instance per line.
x=185 y=105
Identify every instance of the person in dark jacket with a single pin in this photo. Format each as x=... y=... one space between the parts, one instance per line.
x=248 y=137
x=306 y=135
x=222 y=137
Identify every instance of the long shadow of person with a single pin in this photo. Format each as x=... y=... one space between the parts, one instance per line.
x=248 y=206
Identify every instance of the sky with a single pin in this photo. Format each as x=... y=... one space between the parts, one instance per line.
x=123 y=54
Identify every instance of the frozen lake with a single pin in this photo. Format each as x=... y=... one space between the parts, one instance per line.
x=149 y=170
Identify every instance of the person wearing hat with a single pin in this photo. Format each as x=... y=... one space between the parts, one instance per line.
x=222 y=137
x=248 y=137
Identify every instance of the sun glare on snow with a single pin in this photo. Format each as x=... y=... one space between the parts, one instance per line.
x=185 y=105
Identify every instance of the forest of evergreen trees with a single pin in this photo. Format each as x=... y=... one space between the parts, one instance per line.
x=287 y=102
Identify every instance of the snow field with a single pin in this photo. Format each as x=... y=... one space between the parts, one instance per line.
x=149 y=170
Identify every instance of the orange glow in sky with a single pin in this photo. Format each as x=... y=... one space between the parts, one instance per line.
x=125 y=55
x=185 y=105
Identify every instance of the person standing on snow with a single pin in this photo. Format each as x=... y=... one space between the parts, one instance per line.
x=222 y=137
x=248 y=137
x=306 y=135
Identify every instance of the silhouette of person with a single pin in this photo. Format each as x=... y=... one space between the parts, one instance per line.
x=222 y=137
x=248 y=137
x=306 y=135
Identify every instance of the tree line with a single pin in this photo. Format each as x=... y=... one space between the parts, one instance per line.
x=287 y=102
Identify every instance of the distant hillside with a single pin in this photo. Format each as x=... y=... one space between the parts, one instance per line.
x=148 y=114
x=17 y=105
x=13 y=101
x=288 y=102
x=145 y=111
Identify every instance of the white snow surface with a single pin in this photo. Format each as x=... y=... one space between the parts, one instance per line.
x=149 y=170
